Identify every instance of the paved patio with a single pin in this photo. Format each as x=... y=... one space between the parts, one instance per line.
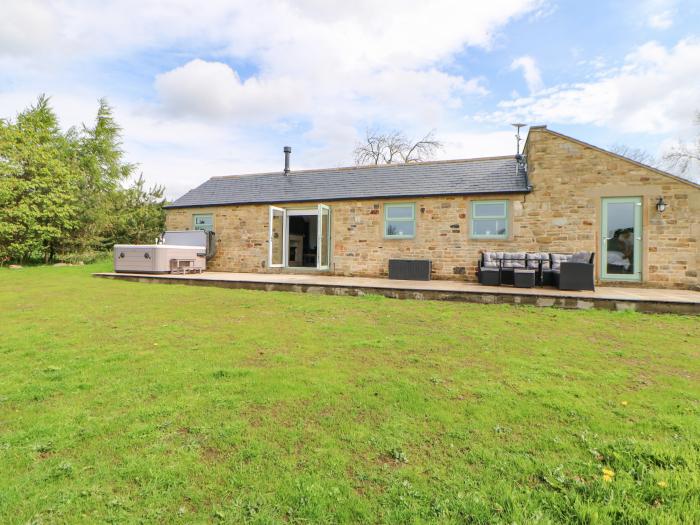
x=605 y=297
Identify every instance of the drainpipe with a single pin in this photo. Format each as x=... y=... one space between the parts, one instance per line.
x=521 y=160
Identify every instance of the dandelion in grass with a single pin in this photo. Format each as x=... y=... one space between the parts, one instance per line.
x=624 y=403
x=663 y=484
x=608 y=475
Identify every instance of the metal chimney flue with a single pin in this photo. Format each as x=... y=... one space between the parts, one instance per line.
x=287 y=152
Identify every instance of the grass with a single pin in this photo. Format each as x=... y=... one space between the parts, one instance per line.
x=124 y=402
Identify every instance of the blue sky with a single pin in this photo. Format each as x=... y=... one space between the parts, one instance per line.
x=214 y=88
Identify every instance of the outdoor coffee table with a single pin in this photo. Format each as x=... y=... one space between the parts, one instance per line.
x=523 y=277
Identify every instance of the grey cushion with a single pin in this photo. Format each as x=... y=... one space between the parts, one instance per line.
x=581 y=257
x=492 y=259
x=534 y=258
x=489 y=269
x=514 y=259
x=558 y=258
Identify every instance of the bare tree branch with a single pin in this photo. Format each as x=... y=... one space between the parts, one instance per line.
x=636 y=154
x=685 y=158
x=394 y=146
x=423 y=149
x=370 y=152
x=681 y=157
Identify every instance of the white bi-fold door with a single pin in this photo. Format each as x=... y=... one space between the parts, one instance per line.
x=279 y=237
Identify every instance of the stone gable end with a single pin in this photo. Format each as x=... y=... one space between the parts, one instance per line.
x=570 y=179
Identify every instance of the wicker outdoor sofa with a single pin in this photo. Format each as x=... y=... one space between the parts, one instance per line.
x=566 y=271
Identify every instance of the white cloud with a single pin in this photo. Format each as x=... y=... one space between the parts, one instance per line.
x=654 y=91
x=659 y=13
x=16 y=16
x=209 y=88
x=214 y=90
x=546 y=9
x=383 y=60
x=531 y=72
x=279 y=32
x=662 y=20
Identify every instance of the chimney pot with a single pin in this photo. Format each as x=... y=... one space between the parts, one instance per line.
x=287 y=151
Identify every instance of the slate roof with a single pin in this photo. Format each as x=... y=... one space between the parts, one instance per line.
x=453 y=177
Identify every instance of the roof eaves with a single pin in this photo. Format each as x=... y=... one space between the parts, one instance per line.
x=336 y=199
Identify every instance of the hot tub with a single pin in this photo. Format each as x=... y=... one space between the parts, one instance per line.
x=156 y=258
x=192 y=248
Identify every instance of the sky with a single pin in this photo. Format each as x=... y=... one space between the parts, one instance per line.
x=213 y=88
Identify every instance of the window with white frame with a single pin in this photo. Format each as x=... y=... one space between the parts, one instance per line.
x=400 y=221
x=489 y=219
x=203 y=221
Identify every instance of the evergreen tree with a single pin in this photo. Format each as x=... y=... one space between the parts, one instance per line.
x=101 y=160
x=138 y=214
x=39 y=181
x=63 y=195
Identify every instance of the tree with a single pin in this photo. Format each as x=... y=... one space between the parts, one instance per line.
x=64 y=195
x=388 y=148
x=101 y=158
x=685 y=158
x=39 y=181
x=138 y=214
x=636 y=154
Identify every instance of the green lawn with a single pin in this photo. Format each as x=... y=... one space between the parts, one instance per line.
x=124 y=402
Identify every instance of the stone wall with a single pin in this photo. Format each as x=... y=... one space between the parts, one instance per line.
x=562 y=213
x=570 y=178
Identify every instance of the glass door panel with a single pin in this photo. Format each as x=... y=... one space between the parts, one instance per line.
x=622 y=238
x=324 y=237
x=278 y=237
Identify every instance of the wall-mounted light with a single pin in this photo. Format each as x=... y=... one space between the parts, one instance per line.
x=661 y=205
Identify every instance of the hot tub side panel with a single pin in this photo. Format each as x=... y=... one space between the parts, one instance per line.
x=134 y=259
x=166 y=253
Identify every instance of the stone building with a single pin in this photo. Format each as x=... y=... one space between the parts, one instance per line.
x=562 y=195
